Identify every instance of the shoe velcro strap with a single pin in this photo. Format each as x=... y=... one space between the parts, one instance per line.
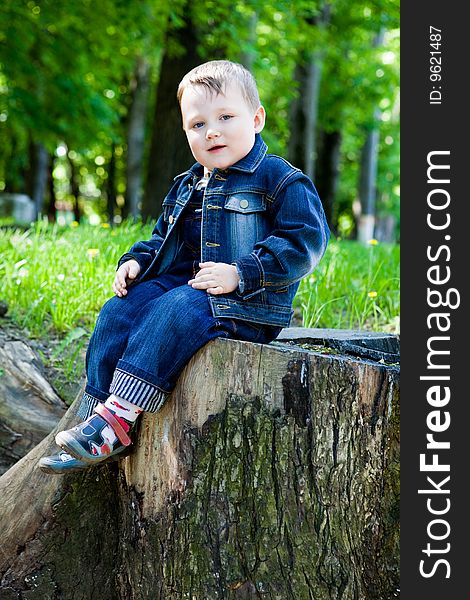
x=111 y=420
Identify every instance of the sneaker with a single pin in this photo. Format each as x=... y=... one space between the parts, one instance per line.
x=96 y=439
x=62 y=463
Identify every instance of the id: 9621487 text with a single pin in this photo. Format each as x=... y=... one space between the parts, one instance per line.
x=435 y=65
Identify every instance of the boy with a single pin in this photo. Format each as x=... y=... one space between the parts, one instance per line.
x=238 y=232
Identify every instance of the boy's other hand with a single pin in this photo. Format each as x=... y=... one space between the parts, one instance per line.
x=216 y=278
x=125 y=275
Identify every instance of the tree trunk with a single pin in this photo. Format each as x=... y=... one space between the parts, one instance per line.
x=136 y=136
x=169 y=150
x=39 y=178
x=304 y=110
x=368 y=170
x=271 y=472
x=51 y=205
x=367 y=183
x=75 y=190
x=15 y=170
x=111 y=186
x=303 y=115
x=327 y=179
x=248 y=55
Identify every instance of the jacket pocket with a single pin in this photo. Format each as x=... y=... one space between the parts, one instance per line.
x=246 y=202
x=245 y=222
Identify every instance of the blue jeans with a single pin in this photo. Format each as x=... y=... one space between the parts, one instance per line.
x=142 y=341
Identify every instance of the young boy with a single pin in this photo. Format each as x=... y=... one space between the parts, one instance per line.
x=238 y=232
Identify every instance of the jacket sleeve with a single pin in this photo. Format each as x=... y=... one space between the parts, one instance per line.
x=295 y=245
x=144 y=252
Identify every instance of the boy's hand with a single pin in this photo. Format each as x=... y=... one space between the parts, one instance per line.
x=125 y=275
x=216 y=278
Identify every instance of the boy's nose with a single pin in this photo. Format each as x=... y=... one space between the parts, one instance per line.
x=212 y=133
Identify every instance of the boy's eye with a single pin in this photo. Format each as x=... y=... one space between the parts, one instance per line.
x=226 y=117
x=198 y=125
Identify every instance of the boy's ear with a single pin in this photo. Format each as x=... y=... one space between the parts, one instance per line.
x=259 y=119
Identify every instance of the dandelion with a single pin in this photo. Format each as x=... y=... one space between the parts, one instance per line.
x=372 y=294
x=74 y=224
x=93 y=252
x=373 y=242
x=105 y=225
x=61 y=277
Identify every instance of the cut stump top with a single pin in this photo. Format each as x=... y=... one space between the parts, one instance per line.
x=366 y=344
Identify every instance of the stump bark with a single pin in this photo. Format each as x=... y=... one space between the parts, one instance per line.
x=29 y=406
x=271 y=472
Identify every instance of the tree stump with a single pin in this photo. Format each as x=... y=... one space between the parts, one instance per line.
x=29 y=406
x=271 y=472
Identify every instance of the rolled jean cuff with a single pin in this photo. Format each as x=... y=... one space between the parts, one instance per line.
x=143 y=394
x=87 y=406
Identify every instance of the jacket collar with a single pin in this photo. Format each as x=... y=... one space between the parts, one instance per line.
x=248 y=164
x=251 y=161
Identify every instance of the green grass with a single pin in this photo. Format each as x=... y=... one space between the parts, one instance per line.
x=355 y=286
x=55 y=279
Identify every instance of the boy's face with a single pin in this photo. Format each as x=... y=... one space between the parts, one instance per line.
x=220 y=128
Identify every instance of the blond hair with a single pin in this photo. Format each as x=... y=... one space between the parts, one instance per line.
x=216 y=74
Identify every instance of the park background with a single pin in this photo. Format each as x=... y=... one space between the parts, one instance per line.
x=91 y=133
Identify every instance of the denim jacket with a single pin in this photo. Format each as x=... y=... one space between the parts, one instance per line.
x=262 y=215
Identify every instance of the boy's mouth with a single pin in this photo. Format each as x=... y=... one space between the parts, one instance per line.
x=215 y=148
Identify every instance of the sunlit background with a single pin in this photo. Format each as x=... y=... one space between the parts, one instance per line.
x=89 y=121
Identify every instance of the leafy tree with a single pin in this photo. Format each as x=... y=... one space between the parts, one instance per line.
x=97 y=81
x=63 y=67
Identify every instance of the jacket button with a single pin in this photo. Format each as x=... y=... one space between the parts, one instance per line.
x=171 y=219
x=244 y=203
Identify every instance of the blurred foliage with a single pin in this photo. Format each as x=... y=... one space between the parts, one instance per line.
x=66 y=77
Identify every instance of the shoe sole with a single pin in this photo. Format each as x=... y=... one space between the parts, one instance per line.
x=68 y=443
x=60 y=470
x=53 y=471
